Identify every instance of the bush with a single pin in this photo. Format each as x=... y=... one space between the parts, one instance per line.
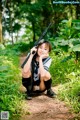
x=70 y=92
x=67 y=75
x=10 y=97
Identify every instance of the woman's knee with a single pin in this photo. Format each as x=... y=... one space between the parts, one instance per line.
x=26 y=74
x=46 y=77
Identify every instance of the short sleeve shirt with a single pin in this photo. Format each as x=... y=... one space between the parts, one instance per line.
x=46 y=65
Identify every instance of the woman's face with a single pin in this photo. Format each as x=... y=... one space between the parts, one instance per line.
x=43 y=49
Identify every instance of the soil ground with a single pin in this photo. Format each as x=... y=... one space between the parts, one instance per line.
x=44 y=108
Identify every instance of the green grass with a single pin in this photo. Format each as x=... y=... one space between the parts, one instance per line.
x=10 y=81
x=67 y=75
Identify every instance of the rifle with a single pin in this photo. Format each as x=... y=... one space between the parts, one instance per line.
x=43 y=34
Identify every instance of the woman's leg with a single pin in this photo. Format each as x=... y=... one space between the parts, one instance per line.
x=42 y=81
x=46 y=84
x=26 y=74
x=27 y=83
x=42 y=85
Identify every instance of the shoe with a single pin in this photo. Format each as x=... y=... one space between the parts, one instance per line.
x=50 y=93
x=28 y=96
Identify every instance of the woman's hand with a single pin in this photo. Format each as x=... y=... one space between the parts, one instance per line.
x=44 y=56
x=33 y=50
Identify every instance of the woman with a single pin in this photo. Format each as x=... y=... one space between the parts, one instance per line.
x=35 y=72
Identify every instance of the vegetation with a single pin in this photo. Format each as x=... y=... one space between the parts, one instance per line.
x=10 y=96
x=22 y=22
x=66 y=74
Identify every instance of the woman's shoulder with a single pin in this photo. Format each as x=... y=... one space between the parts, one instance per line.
x=47 y=59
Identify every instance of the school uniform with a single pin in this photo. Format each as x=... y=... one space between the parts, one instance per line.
x=46 y=65
x=35 y=68
x=35 y=80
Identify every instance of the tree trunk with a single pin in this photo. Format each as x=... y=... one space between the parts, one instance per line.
x=0 y=24
x=16 y=37
x=10 y=23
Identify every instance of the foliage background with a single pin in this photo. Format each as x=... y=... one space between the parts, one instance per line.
x=22 y=22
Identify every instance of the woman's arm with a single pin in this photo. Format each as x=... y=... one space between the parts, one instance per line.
x=27 y=66
x=41 y=68
x=44 y=66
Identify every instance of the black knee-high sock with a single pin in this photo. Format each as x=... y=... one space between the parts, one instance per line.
x=27 y=84
x=50 y=92
x=48 y=84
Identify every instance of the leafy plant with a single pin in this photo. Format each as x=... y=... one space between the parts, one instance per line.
x=67 y=76
x=10 y=97
x=70 y=92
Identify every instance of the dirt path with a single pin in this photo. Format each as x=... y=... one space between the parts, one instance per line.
x=45 y=108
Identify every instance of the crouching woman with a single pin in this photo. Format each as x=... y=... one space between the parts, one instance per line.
x=35 y=72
